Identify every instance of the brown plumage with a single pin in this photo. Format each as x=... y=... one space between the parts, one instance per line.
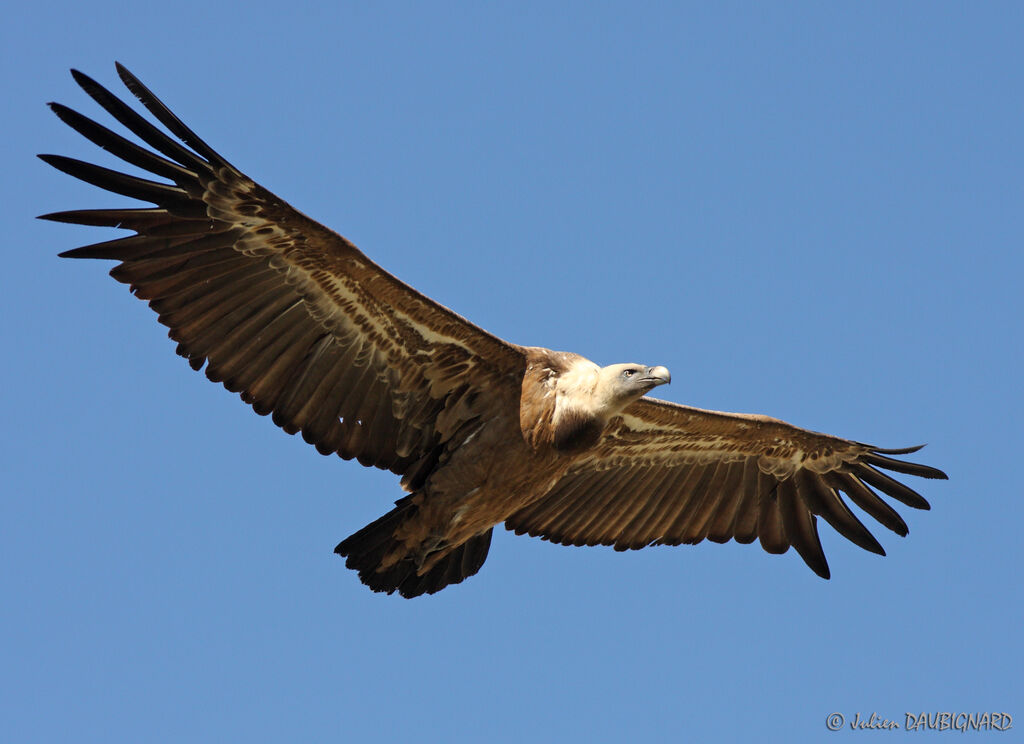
x=307 y=329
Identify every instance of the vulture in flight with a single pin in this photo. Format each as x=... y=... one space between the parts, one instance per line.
x=307 y=329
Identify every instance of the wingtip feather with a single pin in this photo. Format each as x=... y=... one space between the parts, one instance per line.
x=85 y=82
x=877 y=455
x=896 y=450
x=54 y=161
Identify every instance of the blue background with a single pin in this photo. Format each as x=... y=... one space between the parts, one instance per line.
x=810 y=211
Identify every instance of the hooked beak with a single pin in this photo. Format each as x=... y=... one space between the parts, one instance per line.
x=655 y=376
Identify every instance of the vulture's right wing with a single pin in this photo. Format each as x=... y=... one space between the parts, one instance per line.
x=287 y=313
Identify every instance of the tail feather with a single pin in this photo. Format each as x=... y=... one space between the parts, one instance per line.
x=365 y=550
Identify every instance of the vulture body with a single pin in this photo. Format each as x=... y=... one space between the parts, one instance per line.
x=482 y=432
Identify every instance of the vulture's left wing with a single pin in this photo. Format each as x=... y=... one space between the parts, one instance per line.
x=280 y=309
x=667 y=474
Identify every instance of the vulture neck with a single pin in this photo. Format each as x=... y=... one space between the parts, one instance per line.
x=566 y=404
x=583 y=407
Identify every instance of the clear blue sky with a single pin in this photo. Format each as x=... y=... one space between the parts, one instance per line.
x=823 y=202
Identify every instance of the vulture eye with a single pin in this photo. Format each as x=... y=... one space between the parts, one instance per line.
x=628 y=372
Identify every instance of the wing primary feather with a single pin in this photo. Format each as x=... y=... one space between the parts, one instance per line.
x=139 y=126
x=901 y=466
x=869 y=501
x=891 y=486
x=801 y=526
x=108 y=249
x=126 y=219
x=192 y=228
x=169 y=120
x=829 y=505
x=896 y=451
x=120 y=183
x=122 y=148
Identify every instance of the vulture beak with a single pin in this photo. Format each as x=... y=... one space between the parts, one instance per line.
x=655 y=376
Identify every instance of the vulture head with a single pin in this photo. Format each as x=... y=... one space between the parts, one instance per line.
x=620 y=384
x=589 y=397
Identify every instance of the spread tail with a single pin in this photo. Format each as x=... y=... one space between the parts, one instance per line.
x=366 y=550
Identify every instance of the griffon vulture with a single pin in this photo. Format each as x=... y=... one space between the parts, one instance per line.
x=306 y=328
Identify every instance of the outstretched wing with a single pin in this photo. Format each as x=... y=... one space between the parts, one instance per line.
x=669 y=474
x=286 y=312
